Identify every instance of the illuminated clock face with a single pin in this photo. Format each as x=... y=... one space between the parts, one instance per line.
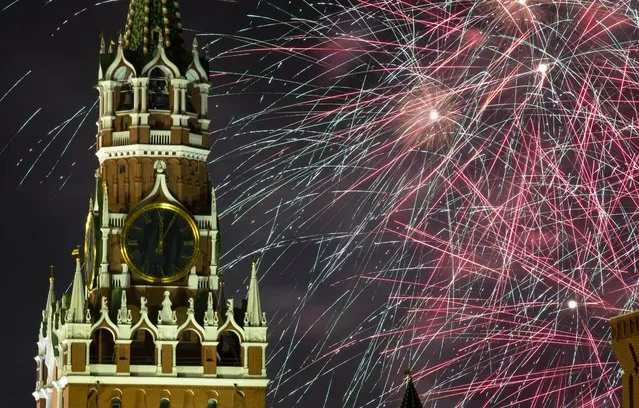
x=160 y=242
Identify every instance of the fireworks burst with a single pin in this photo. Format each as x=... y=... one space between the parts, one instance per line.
x=447 y=185
x=467 y=170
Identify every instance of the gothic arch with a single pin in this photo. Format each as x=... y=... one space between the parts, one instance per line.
x=143 y=350
x=102 y=347
x=158 y=88
x=140 y=399
x=229 y=349
x=188 y=351
x=189 y=399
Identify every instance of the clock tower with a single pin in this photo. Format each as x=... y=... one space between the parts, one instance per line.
x=146 y=323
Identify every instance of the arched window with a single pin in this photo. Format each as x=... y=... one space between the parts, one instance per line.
x=212 y=403
x=158 y=89
x=102 y=348
x=165 y=403
x=116 y=403
x=125 y=101
x=228 y=349
x=189 y=349
x=142 y=348
x=190 y=94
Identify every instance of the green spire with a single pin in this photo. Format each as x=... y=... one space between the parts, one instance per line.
x=150 y=21
x=411 y=397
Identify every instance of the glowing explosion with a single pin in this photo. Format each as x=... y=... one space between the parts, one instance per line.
x=467 y=170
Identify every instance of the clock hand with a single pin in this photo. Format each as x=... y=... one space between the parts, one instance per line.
x=160 y=247
x=168 y=227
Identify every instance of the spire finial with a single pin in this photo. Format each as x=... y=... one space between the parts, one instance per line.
x=407 y=372
x=102 y=44
x=51 y=275
x=160 y=37
x=120 y=41
x=195 y=45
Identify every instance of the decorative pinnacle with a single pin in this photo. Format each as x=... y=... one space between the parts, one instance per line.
x=102 y=45
x=51 y=276
x=195 y=45
x=160 y=38
x=120 y=40
x=407 y=372
x=76 y=251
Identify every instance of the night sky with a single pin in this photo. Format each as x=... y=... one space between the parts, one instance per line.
x=443 y=185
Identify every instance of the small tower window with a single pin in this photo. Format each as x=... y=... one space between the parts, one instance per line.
x=102 y=348
x=165 y=403
x=142 y=348
x=116 y=403
x=189 y=349
x=158 y=90
x=212 y=403
x=126 y=97
x=228 y=350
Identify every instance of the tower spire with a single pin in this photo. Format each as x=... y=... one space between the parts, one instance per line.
x=144 y=17
x=51 y=296
x=75 y=314
x=49 y=306
x=253 y=315
x=411 y=397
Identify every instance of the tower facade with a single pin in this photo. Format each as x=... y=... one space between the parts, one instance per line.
x=625 y=344
x=146 y=323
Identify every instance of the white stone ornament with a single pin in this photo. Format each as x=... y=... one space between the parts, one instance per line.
x=167 y=315
x=159 y=166
x=210 y=317
x=191 y=306
x=124 y=314
x=105 y=306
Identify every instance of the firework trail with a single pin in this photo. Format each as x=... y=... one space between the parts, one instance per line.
x=459 y=179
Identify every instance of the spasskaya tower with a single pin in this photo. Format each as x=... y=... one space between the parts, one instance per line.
x=146 y=322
